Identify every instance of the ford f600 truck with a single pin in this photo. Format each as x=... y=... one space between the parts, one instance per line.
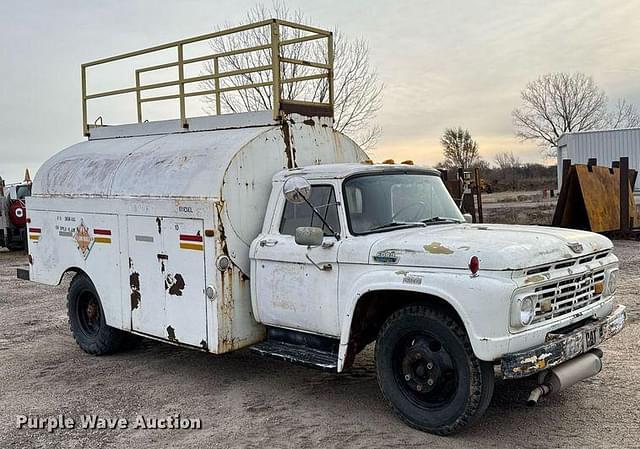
x=273 y=231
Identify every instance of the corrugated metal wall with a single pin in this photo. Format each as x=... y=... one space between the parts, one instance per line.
x=606 y=146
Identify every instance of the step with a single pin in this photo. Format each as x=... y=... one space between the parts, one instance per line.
x=298 y=354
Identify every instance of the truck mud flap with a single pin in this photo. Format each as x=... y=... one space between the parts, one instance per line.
x=23 y=273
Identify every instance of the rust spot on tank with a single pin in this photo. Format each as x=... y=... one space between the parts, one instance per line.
x=135 y=300
x=171 y=333
x=437 y=248
x=134 y=283
x=286 y=135
x=309 y=122
x=175 y=284
x=204 y=345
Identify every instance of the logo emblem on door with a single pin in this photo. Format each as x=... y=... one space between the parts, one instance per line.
x=83 y=239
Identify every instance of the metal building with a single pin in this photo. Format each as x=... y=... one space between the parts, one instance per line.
x=605 y=145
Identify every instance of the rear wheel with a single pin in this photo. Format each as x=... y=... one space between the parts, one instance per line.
x=428 y=373
x=86 y=319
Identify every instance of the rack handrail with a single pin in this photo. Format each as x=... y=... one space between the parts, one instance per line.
x=275 y=44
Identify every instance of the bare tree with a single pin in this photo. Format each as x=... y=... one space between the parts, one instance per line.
x=508 y=164
x=357 y=88
x=459 y=149
x=556 y=103
x=507 y=159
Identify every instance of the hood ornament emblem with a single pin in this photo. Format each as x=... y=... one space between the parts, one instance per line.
x=576 y=247
x=386 y=256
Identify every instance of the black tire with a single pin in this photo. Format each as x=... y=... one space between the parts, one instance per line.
x=86 y=319
x=428 y=373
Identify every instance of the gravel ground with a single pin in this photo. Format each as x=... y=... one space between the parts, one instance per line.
x=244 y=400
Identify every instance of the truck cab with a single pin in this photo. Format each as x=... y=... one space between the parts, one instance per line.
x=13 y=214
x=381 y=253
x=273 y=231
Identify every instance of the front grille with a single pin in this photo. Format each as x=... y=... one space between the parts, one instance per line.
x=567 y=295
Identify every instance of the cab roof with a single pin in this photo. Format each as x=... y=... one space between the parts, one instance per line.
x=341 y=171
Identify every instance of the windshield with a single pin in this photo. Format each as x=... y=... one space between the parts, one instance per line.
x=389 y=201
x=23 y=191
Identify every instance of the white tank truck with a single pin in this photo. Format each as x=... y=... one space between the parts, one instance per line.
x=272 y=230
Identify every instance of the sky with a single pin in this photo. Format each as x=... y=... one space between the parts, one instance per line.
x=443 y=63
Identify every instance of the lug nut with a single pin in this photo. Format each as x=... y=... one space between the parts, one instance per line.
x=429 y=382
x=407 y=377
x=429 y=365
x=419 y=387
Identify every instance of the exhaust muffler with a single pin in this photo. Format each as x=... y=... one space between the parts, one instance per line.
x=567 y=374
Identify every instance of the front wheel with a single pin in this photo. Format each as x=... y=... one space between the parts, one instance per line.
x=86 y=319
x=428 y=373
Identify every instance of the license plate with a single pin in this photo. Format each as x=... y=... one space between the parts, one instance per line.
x=592 y=337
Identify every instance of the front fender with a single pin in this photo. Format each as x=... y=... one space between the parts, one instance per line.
x=481 y=301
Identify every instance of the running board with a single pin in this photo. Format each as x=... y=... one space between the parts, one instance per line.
x=308 y=350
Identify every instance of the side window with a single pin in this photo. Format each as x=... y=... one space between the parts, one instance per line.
x=297 y=215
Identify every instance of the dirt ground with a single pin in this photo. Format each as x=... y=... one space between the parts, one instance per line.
x=244 y=400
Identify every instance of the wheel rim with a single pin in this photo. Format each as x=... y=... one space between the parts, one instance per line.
x=89 y=313
x=425 y=371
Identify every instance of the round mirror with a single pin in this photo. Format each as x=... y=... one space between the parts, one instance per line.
x=296 y=189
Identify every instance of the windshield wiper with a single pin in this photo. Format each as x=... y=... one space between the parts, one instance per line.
x=394 y=224
x=440 y=220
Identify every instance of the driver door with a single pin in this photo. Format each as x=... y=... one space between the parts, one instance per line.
x=291 y=291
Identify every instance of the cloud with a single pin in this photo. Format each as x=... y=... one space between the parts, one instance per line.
x=444 y=64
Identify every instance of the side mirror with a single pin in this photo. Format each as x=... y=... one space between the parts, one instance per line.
x=468 y=218
x=308 y=236
x=296 y=189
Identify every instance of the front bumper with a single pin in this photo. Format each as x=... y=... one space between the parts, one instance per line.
x=562 y=347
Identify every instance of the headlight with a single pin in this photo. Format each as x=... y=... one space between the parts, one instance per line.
x=612 y=283
x=523 y=310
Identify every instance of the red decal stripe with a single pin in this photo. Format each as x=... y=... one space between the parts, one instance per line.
x=102 y=231
x=35 y=230
x=191 y=238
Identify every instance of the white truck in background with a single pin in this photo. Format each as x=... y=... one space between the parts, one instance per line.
x=271 y=230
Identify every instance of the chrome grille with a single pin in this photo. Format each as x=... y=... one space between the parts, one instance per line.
x=567 y=295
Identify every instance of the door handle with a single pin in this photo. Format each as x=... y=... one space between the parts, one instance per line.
x=268 y=242
x=323 y=267
x=163 y=257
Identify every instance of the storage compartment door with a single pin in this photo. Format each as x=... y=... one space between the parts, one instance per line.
x=185 y=306
x=146 y=282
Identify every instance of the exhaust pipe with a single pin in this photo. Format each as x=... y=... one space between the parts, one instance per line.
x=568 y=374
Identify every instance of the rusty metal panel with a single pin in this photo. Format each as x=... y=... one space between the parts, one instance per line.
x=590 y=200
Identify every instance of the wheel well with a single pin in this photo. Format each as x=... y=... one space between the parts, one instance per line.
x=74 y=270
x=373 y=308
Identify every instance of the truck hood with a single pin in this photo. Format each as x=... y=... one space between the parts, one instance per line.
x=499 y=247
